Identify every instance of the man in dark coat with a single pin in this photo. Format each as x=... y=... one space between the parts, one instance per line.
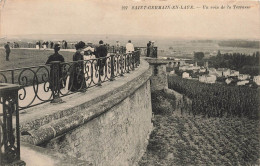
x=51 y=44
x=101 y=53
x=55 y=57
x=7 y=51
x=65 y=44
x=148 y=48
x=39 y=45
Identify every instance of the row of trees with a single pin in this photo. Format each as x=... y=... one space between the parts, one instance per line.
x=239 y=43
x=247 y=64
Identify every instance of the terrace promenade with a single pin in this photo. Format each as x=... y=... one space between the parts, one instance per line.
x=34 y=80
x=111 y=107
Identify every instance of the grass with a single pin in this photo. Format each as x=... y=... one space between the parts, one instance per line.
x=20 y=58
x=25 y=58
x=186 y=140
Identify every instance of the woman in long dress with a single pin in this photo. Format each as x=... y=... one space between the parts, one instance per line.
x=89 y=54
x=77 y=76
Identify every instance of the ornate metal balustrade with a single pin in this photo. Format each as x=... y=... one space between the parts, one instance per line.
x=143 y=51
x=40 y=84
x=9 y=126
x=115 y=49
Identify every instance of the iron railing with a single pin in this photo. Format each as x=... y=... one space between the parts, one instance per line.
x=40 y=84
x=9 y=126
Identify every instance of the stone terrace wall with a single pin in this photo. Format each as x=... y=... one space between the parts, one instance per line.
x=117 y=137
x=107 y=125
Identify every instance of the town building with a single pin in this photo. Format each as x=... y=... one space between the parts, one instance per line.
x=172 y=73
x=189 y=67
x=202 y=70
x=223 y=72
x=243 y=82
x=256 y=80
x=228 y=80
x=220 y=72
x=234 y=73
x=185 y=75
x=243 y=76
x=208 y=79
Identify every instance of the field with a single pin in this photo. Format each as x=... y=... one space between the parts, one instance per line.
x=186 y=49
x=25 y=58
x=180 y=139
x=217 y=100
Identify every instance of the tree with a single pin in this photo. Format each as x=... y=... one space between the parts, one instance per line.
x=219 y=53
x=198 y=55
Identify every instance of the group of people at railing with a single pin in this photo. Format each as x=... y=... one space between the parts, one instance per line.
x=151 y=50
x=90 y=66
x=85 y=54
x=77 y=72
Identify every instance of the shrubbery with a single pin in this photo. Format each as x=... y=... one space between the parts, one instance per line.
x=216 y=100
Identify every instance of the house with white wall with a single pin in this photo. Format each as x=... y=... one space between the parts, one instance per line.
x=243 y=77
x=208 y=78
x=256 y=80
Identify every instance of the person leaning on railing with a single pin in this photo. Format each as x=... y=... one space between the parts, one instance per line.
x=129 y=47
x=77 y=78
x=55 y=57
x=148 y=48
x=101 y=53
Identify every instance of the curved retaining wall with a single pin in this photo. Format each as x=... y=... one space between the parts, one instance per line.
x=110 y=129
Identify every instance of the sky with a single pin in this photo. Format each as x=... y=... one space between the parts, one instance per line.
x=21 y=17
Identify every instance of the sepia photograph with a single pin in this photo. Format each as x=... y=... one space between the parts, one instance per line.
x=129 y=82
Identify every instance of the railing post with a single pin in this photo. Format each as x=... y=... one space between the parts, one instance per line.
x=122 y=50
x=133 y=60
x=9 y=140
x=138 y=58
x=112 y=67
x=55 y=81
x=12 y=76
x=155 y=52
x=122 y=65
x=127 y=62
x=99 y=71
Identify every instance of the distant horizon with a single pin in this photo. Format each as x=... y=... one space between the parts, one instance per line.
x=35 y=35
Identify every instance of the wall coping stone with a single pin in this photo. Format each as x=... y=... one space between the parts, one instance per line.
x=156 y=61
x=35 y=155
x=81 y=107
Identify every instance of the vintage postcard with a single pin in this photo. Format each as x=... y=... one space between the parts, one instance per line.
x=129 y=82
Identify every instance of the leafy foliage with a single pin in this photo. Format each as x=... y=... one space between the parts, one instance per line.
x=240 y=43
x=198 y=55
x=246 y=64
x=216 y=100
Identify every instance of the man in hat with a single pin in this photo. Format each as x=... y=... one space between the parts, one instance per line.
x=7 y=51
x=55 y=57
x=148 y=48
x=101 y=53
x=65 y=44
x=152 y=52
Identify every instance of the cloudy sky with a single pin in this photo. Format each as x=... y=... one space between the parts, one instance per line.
x=19 y=17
